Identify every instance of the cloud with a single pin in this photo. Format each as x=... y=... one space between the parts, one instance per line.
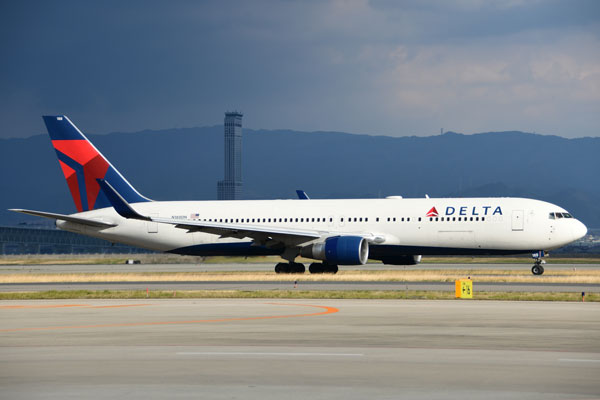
x=381 y=67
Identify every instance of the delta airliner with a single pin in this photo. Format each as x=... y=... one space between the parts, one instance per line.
x=337 y=232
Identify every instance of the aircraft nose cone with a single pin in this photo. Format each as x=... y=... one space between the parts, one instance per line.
x=579 y=230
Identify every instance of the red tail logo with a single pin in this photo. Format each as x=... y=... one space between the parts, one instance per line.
x=432 y=213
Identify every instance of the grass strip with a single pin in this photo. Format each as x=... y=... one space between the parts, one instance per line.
x=586 y=276
x=293 y=294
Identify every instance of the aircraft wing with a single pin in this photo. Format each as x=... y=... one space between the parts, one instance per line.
x=261 y=235
x=63 y=217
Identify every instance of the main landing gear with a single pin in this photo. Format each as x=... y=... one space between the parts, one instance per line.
x=290 y=268
x=298 y=268
x=538 y=268
x=323 y=268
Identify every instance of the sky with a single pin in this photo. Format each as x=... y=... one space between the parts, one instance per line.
x=395 y=68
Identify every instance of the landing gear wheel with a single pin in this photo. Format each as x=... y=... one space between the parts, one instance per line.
x=297 y=268
x=280 y=268
x=291 y=268
x=332 y=269
x=316 y=268
x=537 y=269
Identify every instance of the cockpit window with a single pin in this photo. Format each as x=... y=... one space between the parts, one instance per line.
x=558 y=215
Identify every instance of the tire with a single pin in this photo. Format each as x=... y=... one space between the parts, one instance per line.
x=332 y=269
x=298 y=268
x=537 y=270
x=315 y=268
x=279 y=268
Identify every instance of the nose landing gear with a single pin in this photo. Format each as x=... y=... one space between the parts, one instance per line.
x=537 y=268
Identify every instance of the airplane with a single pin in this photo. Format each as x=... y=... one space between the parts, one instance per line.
x=393 y=230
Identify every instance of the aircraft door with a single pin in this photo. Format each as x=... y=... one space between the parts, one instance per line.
x=152 y=226
x=517 y=220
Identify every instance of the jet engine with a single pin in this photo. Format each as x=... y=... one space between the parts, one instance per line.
x=339 y=250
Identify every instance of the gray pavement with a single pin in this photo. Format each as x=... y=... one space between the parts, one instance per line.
x=293 y=281
x=77 y=268
x=257 y=349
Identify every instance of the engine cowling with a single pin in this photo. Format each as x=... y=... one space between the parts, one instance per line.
x=402 y=260
x=339 y=250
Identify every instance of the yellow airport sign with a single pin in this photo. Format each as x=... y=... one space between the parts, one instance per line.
x=464 y=288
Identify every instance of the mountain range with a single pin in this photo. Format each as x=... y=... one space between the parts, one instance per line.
x=185 y=164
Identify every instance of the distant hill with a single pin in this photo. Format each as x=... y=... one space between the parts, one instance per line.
x=181 y=164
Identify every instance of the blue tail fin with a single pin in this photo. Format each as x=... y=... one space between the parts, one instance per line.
x=82 y=164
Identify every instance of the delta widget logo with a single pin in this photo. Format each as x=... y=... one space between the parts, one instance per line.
x=432 y=213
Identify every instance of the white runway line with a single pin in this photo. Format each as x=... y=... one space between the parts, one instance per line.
x=578 y=360
x=222 y=353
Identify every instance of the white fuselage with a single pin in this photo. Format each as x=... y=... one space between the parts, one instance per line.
x=461 y=226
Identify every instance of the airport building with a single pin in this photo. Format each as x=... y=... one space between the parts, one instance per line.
x=230 y=188
x=18 y=240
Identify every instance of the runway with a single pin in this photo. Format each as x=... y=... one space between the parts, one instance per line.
x=294 y=282
x=317 y=349
x=115 y=268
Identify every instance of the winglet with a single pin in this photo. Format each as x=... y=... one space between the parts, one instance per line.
x=118 y=202
x=302 y=195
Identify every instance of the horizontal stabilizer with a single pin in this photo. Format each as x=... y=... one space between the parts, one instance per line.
x=62 y=217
